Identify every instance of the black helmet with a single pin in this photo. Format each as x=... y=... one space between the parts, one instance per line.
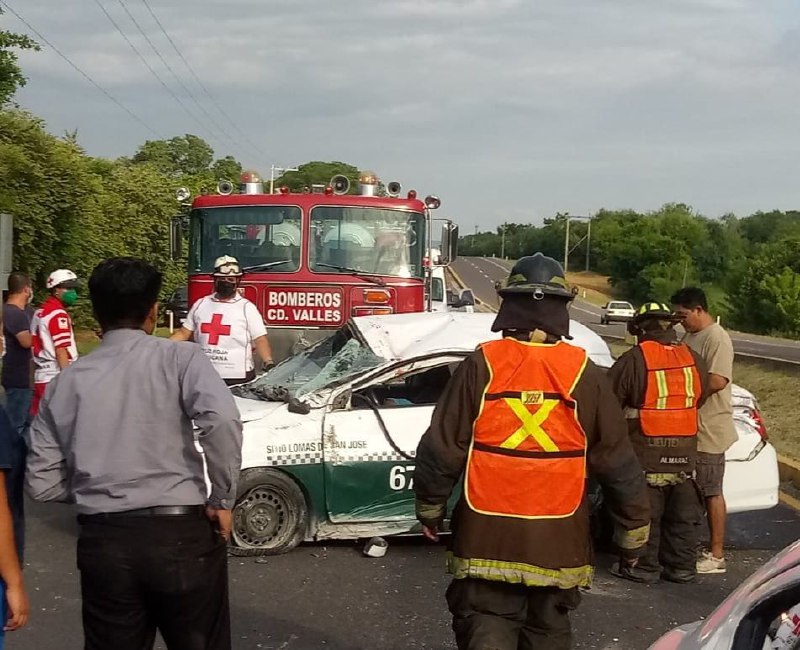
x=539 y=276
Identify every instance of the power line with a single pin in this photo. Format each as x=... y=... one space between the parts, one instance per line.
x=200 y=83
x=171 y=71
x=41 y=37
x=147 y=64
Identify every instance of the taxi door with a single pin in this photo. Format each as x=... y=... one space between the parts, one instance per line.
x=370 y=436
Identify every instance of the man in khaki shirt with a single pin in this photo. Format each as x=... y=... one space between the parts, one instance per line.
x=717 y=431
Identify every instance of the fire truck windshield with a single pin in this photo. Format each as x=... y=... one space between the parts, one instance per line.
x=369 y=240
x=262 y=236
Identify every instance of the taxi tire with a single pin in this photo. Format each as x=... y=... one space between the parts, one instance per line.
x=282 y=492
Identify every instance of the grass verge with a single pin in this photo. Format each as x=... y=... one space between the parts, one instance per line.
x=87 y=340
x=593 y=287
x=776 y=387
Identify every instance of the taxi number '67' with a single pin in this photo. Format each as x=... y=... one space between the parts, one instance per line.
x=401 y=477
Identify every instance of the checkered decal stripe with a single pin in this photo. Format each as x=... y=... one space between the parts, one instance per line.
x=306 y=458
x=313 y=458
x=379 y=457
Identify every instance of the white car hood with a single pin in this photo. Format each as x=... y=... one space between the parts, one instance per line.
x=254 y=409
x=406 y=336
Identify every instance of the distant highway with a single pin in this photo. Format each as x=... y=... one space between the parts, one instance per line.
x=480 y=274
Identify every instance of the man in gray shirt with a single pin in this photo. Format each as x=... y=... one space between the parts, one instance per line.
x=114 y=435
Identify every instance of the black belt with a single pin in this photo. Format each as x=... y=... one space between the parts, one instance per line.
x=155 y=511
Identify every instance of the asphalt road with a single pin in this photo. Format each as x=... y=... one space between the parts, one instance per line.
x=332 y=597
x=480 y=274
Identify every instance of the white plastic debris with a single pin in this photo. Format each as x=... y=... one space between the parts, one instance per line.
x=376 y=547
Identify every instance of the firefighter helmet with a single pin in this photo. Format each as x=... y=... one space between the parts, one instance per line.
x=62 y=278
x=227 y=266
x=655 y=310
x=539 y=276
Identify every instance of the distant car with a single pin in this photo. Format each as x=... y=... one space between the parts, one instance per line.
x=762 y=614
x=178 y=304
x=617 y=311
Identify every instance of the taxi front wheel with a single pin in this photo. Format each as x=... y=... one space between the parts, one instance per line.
x=270 y=516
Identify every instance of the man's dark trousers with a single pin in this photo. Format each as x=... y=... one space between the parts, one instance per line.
x=490 y=615
x=142 y=573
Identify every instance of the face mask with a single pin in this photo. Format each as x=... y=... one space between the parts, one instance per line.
x=225 y=289
x=69 y=297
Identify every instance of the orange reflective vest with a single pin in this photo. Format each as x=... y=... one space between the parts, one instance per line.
x=528 y=453
x=673 y=386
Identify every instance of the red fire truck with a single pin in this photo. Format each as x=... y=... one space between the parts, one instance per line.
x=311 y=260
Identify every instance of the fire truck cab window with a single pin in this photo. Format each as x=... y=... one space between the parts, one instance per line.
x=253 y=234
x=370 y=240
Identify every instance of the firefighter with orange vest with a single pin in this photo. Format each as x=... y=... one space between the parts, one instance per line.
x=523 y=419
x=660 y=384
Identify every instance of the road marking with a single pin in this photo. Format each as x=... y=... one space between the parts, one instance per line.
x=788 y=344
x=585 y=311
x=761 y=356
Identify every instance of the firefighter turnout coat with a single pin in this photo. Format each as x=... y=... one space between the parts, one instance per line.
x=524 y=423
x=660 y=385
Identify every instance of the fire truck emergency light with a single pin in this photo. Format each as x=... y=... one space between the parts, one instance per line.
x=412 y=194
x=250 y=177
x=368 y=178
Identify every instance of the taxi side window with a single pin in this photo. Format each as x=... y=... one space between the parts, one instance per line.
x=773 y=624
x=412 y=389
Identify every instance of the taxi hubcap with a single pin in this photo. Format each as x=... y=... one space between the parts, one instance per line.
x=261 y=518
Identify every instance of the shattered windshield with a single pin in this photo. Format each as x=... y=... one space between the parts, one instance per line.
x=330 y=361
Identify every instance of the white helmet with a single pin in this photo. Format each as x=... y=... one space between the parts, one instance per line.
x=227 y=266
x=61 y=276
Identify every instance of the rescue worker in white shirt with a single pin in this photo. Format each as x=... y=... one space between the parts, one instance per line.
x=52 y=337
x=227 y=326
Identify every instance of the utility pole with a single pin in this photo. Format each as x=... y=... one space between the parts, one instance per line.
x=588 y=238
x=278 y=168
x=588 y=241
x=503 y=243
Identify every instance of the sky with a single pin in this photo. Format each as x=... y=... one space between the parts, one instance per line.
x=508 y=110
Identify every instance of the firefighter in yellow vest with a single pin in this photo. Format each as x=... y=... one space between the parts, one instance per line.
x=523 y=420
x=660 y=384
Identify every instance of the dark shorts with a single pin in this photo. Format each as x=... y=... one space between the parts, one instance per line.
x=710 y=470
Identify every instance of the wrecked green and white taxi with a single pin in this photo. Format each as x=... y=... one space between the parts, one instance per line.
x=330 y=434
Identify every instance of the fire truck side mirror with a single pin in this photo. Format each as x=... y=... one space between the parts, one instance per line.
x=449 y=242
x=176 y=237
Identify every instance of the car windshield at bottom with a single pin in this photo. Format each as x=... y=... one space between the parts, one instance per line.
x=330 y=361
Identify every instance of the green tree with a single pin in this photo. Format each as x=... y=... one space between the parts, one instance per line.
x=182 y=155
x=318 y=172
x=227 y=168
x=11 y=77
x=767 y=300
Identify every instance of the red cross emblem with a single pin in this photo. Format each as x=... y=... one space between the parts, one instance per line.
x=215 y=329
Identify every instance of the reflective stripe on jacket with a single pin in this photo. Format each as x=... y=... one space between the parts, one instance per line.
x=673 y=390
x=527 y=458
